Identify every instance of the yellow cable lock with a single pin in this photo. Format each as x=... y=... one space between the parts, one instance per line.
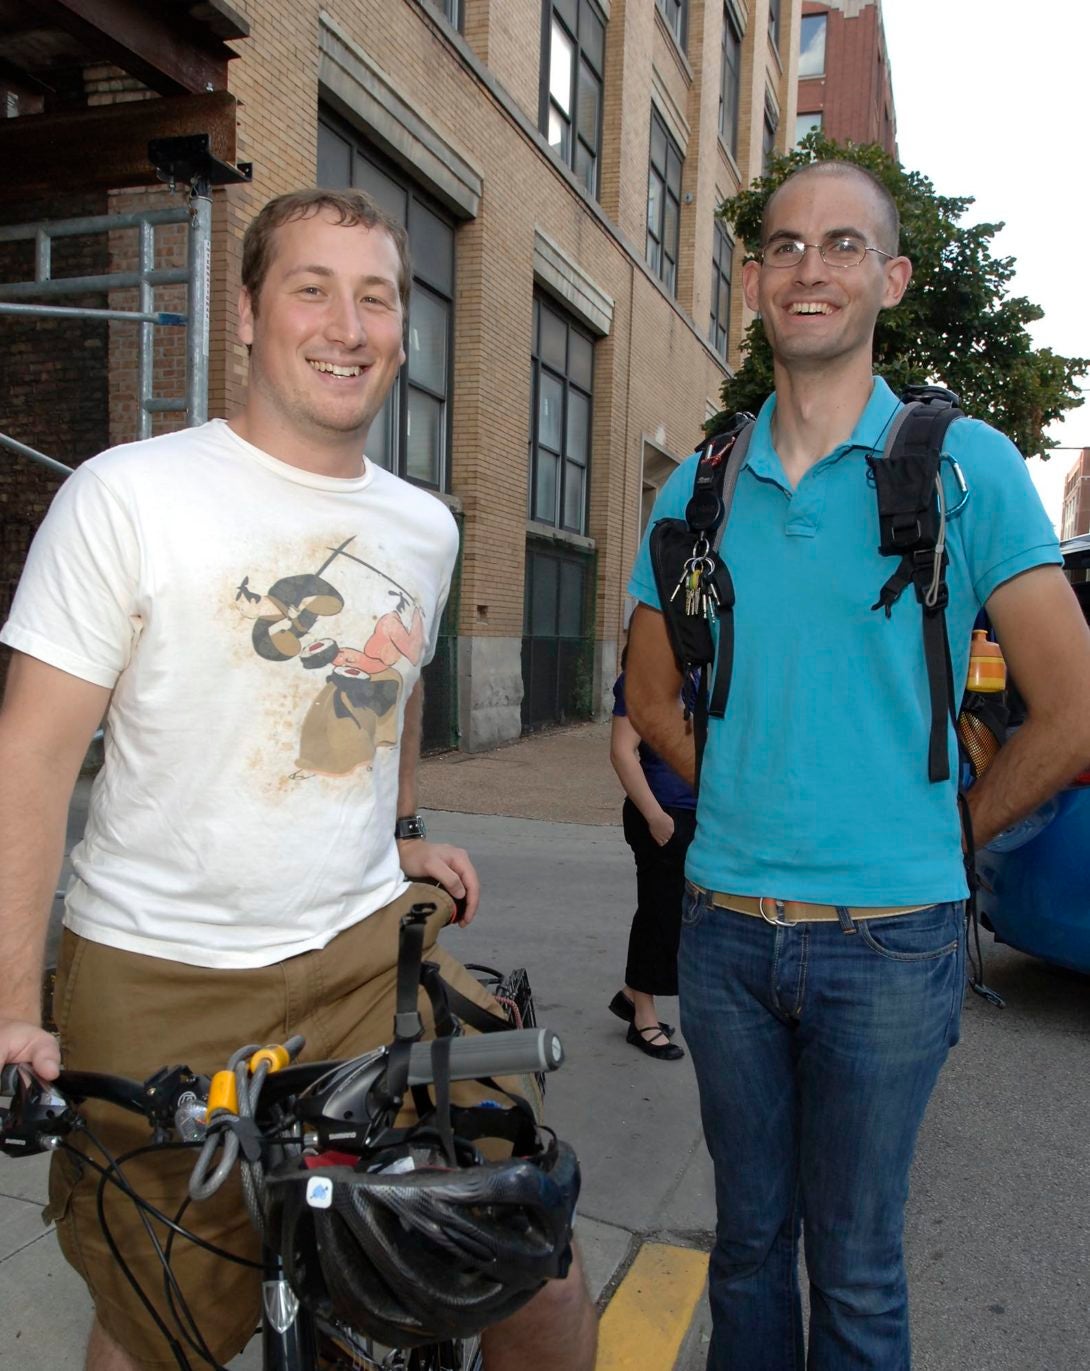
x=222 y=1094
x=273 y=1053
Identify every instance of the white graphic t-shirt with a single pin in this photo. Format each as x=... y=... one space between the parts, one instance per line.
x=261 y=628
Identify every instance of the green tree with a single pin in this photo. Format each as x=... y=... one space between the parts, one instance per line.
x=957 y=325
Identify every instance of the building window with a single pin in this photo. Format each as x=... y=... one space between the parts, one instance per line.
x=806 y=123
x=411 y=436
x=768 y=138
x=676 y=14
x=561 y=372
x=812 y=45
x=774 y=23
x=557 y=642
x=571 y=115
x=730 y=69
x=451 y=10
x=719 y=326
x=663 y=204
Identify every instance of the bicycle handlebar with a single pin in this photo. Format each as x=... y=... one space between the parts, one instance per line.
x=517 y=1052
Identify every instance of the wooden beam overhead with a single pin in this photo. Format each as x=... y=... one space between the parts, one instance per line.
x=106 y=148
x=172 y=55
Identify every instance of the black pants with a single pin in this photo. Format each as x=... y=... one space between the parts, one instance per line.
x=660 y=883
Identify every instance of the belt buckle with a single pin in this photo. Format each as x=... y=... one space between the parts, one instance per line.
x=779 y=921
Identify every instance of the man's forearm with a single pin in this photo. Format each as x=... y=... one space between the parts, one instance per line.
x=1040 y=758
x=33 y=814
x=411 y=733
x=662 y=727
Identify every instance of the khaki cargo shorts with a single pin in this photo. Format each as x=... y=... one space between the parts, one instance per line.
x=128 y=1014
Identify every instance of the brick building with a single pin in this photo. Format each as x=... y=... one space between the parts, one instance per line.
x=1075 y=518
x=844 y=82
x=558 y=163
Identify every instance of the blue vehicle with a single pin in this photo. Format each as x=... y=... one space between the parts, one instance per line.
x=1035 y=891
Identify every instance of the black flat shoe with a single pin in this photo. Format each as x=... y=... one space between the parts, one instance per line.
x=623 y=1007
x=665 y=1052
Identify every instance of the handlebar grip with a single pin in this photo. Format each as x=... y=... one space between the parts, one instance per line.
x=518 y=1052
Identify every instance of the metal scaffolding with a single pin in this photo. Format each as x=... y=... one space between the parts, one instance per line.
x=184 y=159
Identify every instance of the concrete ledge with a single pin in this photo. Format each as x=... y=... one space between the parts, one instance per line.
x=363 y=92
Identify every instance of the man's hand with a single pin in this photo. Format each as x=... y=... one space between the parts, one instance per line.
x=450 y=866
x=29 y=1045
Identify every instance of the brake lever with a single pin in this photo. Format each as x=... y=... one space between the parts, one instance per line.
x=38 y=1113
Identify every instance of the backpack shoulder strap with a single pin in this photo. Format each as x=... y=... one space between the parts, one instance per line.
x=912 y=522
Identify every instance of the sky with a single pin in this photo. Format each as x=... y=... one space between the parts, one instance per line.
x=991 y=102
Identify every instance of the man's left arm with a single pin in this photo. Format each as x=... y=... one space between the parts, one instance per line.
x=1046 y=644
x=421 y=859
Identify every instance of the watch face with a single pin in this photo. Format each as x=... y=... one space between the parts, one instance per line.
x=411 y=827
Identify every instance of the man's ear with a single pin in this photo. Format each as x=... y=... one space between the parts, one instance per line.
x=245 y=317
x=898 y=275
x=751 y=276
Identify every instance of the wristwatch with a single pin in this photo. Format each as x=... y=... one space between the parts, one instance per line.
x=410 y=826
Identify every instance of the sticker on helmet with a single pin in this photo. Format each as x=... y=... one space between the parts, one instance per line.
x=319 y=1192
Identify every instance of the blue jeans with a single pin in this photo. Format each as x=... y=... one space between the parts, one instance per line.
x=816 y=1049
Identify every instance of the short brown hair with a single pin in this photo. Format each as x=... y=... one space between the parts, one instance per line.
x=890 y=225
x=352 y=208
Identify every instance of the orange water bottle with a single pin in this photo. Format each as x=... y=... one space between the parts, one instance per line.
x=987 y=669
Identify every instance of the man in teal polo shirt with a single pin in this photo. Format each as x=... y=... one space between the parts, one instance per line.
x=822 y=960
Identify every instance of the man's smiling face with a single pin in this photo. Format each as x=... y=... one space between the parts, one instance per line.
x=814 y=313
x=326 y=330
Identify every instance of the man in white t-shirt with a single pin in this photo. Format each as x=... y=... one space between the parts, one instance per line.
x=249 y=605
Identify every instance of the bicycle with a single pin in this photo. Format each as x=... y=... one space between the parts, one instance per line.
x=318 y=1125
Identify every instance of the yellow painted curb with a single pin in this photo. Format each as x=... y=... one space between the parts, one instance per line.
x=646 y=1320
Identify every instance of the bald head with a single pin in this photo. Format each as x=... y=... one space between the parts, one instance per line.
x=888 y=220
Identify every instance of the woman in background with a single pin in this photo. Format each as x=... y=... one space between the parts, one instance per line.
x=659 y=820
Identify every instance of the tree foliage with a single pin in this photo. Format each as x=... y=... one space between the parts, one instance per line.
x=957 y=325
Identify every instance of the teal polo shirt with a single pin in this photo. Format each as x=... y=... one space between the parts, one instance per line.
x=814 y=784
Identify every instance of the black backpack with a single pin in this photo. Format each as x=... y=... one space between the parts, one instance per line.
x=695 y=587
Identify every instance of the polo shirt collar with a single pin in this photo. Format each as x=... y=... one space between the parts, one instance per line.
x=867 y=436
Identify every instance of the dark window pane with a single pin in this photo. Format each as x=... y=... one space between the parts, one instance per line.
x=592 y=37
x=590 y=91
x=654 y=206
x=334 y=159
x=380 y=187
x=381 y=445
x=658 y=144
x=568 y=11
x=673 y=169
x=580 y=359
x=545 y=469
x=429 y=329
x=586 y=167
x=432 y=244
x=554 y=339
x=550 y=412
x=570 y=595
x=424 y=438
x=670 y=227
x=578 y=448
x=654 y=253
x=574 y=480
x=544 y=590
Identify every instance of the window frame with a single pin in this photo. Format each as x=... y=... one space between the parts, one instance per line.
x=722 y=246
x=657 y=234
x=770 y=128
x=774 y=8
x=823 y=18
x=730 y=27
x=398 y=399
x=540 y=366
x=552 y=13
x=453 y=11
x=675 y=15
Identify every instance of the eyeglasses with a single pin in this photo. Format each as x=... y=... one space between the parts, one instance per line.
x=842 y=251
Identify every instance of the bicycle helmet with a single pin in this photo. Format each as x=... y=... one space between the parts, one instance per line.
x=415 y=1251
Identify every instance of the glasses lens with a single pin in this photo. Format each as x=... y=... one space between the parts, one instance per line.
x=784 y=252
x=844 y=252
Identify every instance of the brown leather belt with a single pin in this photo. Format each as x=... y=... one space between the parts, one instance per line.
x=799 y=911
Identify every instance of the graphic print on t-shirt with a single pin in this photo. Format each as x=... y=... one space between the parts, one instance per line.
x=356 y=710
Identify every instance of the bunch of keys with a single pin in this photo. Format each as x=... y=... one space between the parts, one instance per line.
x=698 y=582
